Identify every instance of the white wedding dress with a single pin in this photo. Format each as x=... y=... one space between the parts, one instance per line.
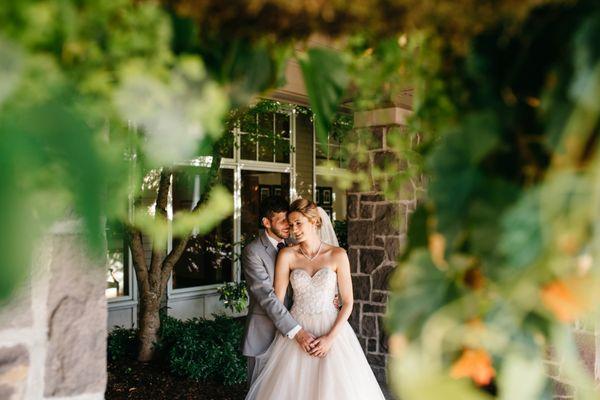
x=291 y=374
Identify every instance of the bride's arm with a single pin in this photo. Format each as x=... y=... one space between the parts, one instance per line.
x=323 y=344
x=282 y=274
x=282 y=280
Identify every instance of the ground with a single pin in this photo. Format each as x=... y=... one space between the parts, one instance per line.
x=134 y=380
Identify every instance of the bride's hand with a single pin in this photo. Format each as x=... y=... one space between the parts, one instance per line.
x=321 y=346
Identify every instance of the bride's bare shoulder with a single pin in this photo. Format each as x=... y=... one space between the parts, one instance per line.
x=335 y=250
x=289 y=250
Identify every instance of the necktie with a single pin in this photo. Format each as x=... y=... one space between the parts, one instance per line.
x=280 y=246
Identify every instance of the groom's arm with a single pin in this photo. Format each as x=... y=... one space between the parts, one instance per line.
x=258 y=283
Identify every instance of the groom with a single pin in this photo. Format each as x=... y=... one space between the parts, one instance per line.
x=266 y=314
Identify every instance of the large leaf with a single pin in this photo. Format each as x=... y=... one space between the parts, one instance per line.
x=326 y=79
x=418 y=290
x=522 y=377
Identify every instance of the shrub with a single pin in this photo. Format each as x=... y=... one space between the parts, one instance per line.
x=199 y=349
x=122 y=343
x=202 y=349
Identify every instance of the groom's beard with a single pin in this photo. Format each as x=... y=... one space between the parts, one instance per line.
x=280 y=234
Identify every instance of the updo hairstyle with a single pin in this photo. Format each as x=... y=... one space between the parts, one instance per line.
x=308 y=209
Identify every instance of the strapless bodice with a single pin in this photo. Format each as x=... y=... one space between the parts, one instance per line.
x=313 y=294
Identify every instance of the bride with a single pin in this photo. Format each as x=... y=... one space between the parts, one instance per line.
x=333 y=366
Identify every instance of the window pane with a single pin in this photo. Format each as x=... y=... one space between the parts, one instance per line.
x=227 y=149
x=282 y=125
x=320 y=155
x=335 y=154
x=257 y=185
x=265 y=123
x=333 y=140
x=248 y=123
x=265 y=148
x=117 y=272
x=248 y=147
x=207 y=259
x=282 y=151
x=332 y=198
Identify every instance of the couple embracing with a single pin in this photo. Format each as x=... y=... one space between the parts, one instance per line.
x=316 y=356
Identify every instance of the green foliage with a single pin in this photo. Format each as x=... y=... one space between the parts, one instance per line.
x=199 y=349
x=234 y=296
x=205 y=349
x=122 y=343
x=75 y=76
x=511 y=205
x=326 y=81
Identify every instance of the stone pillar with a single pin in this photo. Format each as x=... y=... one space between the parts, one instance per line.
x=377 y=229
x=53 y=332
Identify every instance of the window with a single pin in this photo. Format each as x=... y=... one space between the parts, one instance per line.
x=265 y=137
x=256 y=185
x=117 y=267
x=329 y=152
x=207 y=259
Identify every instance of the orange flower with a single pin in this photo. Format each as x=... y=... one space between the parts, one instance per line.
x=437 y=248
x=475 y=364
x=566 y=299
x=474 y=278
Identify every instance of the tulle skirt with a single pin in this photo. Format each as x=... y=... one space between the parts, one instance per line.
x=291 y=374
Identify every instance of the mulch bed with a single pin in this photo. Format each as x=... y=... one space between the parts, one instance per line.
x=131 y=379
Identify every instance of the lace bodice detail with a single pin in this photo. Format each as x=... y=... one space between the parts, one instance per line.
x=313 y=295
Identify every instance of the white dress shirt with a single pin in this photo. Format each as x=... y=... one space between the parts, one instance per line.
x=292 y=333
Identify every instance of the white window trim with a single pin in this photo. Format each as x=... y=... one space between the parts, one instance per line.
x=131 y=299
x=238 y=165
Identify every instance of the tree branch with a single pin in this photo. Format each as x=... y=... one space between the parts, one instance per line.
x=139 y=258
x=160 y=213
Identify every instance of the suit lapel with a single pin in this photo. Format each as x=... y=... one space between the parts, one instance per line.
x=269 y=249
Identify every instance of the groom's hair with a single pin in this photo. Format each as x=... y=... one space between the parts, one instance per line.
x=273 y=205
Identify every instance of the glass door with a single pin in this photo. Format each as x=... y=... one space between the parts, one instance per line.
x=255 y=186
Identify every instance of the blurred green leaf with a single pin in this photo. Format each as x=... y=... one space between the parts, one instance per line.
x=175 y=113
x=522 y=377
x=419 y=378
x=521 y=225
x=326 y=79
x=419 y=289
x=10 y=68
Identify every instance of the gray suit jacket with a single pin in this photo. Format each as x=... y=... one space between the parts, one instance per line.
x=266 y=314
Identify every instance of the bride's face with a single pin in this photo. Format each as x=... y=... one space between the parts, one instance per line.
x=301 y=227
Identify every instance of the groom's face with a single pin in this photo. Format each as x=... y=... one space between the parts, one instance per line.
x=278 y=225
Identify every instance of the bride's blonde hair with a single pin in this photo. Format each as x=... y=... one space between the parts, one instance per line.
x=308 y=209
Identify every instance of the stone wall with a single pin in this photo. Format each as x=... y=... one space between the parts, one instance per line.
x=53 y=332
x=586 y=341
x=377 y=229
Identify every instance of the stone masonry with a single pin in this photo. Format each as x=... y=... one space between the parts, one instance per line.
x=53 y=332
x=377 y=229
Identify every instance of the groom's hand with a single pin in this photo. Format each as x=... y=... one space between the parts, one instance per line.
x=304 y=339
x=336 y=302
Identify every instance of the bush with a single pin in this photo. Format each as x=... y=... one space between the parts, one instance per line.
x=122 y=343
x=199 y=349
x=205 y=350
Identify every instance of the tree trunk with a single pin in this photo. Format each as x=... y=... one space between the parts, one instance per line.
x=152 y=280
x=149 y=325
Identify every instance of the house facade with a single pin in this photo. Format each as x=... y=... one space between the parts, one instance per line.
x=284 y=158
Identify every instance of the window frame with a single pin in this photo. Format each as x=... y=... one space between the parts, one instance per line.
x=237 y=164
